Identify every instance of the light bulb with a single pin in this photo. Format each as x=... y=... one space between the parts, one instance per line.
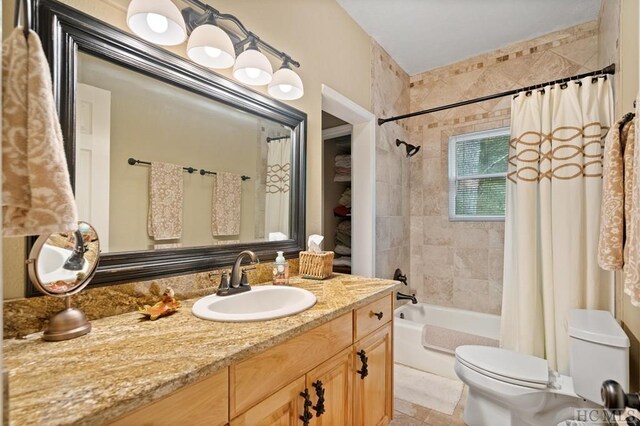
x=252 y=72
x=286 y=88
x=212 y=52
x=157 y=23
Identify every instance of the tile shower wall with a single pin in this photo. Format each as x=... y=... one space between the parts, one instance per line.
x=390 y=96
x=460 y=264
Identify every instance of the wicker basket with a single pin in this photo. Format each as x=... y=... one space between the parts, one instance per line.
x=316 y=265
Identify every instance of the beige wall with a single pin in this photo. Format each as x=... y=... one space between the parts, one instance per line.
x=630 y=77
x=330 y=46
x=390 y=96
x=155 y=121
x=460 y=264
x=618 y=36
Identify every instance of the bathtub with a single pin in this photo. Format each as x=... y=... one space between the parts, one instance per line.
x=408 y=349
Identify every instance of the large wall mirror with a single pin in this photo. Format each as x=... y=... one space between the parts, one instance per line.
x=153 y=140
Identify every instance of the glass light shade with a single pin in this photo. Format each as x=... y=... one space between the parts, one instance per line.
x=253 y=68
x=211 y=46
x=286 y=85
x=157 y=21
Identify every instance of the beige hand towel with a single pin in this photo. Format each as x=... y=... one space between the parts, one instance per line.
x=36 y=190
x=632 y=262
x=617 y=183
x=225 y=211
x=166 y=193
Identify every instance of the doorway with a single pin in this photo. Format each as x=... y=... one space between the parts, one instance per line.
x=363 y=167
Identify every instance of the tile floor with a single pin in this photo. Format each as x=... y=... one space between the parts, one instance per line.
x=408 y=414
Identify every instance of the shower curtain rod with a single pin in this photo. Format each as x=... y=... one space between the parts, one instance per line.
x=611 y=69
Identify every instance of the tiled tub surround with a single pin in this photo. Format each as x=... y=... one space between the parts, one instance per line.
x=30 y=315
x=390 y=96
x=459 y=264
x=126 y=362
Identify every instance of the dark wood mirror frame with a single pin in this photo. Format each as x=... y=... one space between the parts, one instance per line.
x=64 y=32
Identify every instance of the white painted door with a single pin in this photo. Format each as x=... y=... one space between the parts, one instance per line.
x=93 y=140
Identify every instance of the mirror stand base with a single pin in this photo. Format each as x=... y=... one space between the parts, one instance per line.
x=67 y=324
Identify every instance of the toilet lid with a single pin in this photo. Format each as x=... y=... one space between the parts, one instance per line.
x=504 y=365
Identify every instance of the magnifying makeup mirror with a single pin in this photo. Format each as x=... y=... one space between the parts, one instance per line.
x=61 y=265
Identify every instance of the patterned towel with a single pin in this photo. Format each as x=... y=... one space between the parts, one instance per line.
x=225 y=211
x=166 y=193
x=617 y=183
x=36 y=190
x=632 y=262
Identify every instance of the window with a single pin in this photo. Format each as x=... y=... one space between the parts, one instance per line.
x=477 y=175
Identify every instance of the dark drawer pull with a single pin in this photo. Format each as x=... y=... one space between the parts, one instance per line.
x=377 y=314
x=319 y=407
x=365 y=368
x=306 y=414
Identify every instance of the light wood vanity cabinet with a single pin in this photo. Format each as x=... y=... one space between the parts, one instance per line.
x=283 y=408
x=373 y=396
x=332 y=381
x=203 y=403
x=322 y=368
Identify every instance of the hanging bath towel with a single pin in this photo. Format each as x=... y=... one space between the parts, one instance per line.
x=225 y=211
x=166 y=193
x=617 y=184
x=632 y=261
x=36 y=190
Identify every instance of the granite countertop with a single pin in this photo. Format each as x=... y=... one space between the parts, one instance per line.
x=127 y=361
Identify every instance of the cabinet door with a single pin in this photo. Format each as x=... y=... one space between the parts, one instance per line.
x=330 y=386
x=374 y=390
x=283 y=408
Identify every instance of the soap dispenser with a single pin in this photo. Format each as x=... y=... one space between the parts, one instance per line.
x=281 y=270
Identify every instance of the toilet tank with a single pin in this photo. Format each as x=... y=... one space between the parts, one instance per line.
x=598 y=351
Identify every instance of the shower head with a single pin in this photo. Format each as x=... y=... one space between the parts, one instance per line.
x=411 y=149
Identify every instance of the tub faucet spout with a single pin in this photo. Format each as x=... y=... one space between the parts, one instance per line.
x=402 y=296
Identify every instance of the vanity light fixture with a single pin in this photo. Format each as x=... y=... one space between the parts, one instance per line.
x=211 y=47
x=158 y=21
x=253 y=67
x=286 y=84
x=214 y=45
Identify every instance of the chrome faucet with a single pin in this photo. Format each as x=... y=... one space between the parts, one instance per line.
x=238 y=282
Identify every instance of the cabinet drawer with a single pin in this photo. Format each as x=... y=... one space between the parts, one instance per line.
x=254 y=379
x=203 y=403
x=366 y=319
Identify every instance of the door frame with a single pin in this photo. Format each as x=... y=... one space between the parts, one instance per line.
x=363 y=172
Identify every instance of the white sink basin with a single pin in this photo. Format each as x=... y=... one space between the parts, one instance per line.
x=261 y=303
x=50 y=265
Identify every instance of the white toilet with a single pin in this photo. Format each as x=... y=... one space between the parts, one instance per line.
x=508 y=388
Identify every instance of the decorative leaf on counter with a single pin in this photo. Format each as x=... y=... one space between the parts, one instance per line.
x=167 y=306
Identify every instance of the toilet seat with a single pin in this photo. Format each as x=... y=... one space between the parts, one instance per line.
x=505 y=366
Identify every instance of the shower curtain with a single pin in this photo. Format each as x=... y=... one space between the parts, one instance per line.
x=554 y=188
x=278 y=183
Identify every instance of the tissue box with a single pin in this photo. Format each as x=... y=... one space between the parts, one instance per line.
x=316 y=265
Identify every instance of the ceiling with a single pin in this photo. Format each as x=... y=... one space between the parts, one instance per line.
x=424 y=34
